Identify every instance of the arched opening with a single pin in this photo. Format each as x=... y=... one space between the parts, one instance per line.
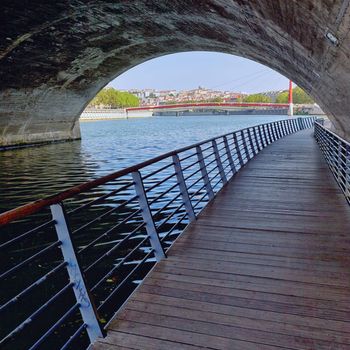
x=111 y=146
x=174 y=78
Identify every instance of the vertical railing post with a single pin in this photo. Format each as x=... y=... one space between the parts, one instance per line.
x=280 y=130
x=265 y=135
x=239 y=154
x=218 y=162
x=258 y=147
x=289 y=130
x=271 y=133
x=347 y=171
x=307 y=121
x=251 y=142
x=204 y=173
x=267 y=128
x=283 y=127
x=280 y=127
x=290 y=124
x=284 y=133
x=262 y=141
x=291 y=127
x=147 y=216
x=330 y=147
x=229 y=156
x=82 y=295
x=183 y=188
x=244 y=140
x=337 y=155
x=295 y=125
x=277 y=130
x=274 y=131
x=339 y=159
x=301 y=123
x=343 y=175
x=316 y=132
x=286 y=125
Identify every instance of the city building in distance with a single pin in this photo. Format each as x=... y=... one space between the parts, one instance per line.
x=152 y=97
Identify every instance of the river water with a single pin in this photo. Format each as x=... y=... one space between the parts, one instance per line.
x=106 y=146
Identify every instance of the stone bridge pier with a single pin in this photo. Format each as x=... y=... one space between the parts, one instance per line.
x=56 y=55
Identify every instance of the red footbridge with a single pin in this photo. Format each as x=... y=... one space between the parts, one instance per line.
x=209 y=105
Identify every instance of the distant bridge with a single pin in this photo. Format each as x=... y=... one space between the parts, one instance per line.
x=208 y=105
x=176 y=109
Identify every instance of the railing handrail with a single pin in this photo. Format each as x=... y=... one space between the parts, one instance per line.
x=35 y=206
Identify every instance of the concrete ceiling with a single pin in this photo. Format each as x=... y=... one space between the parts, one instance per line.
x=56 y=55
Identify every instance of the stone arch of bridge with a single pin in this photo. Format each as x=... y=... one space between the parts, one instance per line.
x=55 y=57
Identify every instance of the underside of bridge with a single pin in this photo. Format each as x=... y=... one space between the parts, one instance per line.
x=56 y=55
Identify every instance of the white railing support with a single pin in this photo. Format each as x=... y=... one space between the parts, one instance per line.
x=239 y=154
x=204 y=173
x=82 y=296
x=183 y=188
x=229 y=156
x=218 y=162
x=147 y=216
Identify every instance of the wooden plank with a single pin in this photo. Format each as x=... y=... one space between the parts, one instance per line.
x=279 y=273
x=272 y=285
x=263 y=259
x=119 y=340
x=210 y=315
x=247 y=312
x=265 y=267
x=183 y=337
x=207 y=329
x=228 y=297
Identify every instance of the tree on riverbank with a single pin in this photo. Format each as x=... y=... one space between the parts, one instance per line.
x=299 y=97
x=257 y=98
x=112 y=98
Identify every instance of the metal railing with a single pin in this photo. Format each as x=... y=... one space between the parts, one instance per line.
x=337 y=154
x=71 y=260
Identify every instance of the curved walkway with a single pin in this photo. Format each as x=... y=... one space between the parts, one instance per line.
x=265 y=267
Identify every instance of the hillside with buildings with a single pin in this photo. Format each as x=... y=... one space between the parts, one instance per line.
x=158 y=97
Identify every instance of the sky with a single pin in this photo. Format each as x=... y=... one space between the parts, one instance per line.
x=184 y=71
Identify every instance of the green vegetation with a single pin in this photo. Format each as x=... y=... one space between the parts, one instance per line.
x=112 y=98
x=216 y=100
x=257 y=98
x=299 y=96
x=282 y=97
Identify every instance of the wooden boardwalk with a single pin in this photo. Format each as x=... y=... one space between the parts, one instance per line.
x=265 y=267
